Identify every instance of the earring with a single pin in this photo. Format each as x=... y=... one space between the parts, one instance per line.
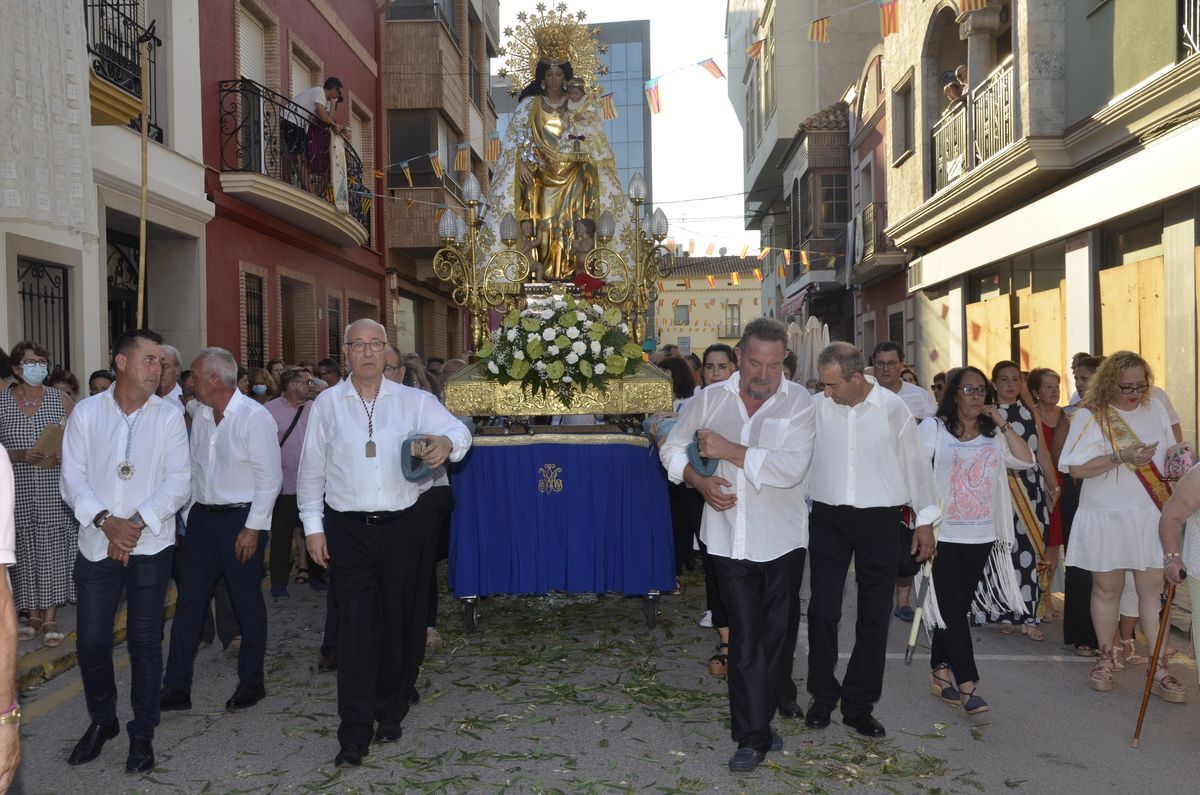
x=543 y=85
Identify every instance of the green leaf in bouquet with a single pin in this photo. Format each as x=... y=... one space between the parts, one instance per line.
x=614 y=364
x=555 y=370
x=535 y=349
x=510 y=320
x=568 y=318
x=563 y=342
x=530 y=323
x=585 y=367
x=518 y=369
x=632 y=350
x=597 y=331
x=486 y=351
x=612 y=316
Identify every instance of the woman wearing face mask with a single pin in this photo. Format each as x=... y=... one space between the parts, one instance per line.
x=46 y=530
x=262 y=386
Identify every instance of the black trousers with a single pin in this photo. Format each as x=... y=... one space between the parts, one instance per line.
x=225 y=626
x=838 y=533
x=1078 y=629
x=712 y=590
x=957 y=569
x=443 y=502
x=285 y=518
x=380 y=577
x=99 y=585
x=687 y=506
x=763 y=600
x=209 y=555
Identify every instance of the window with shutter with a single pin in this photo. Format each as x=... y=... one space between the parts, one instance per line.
x=299 y=74
x=356 y=132
x=252 y=45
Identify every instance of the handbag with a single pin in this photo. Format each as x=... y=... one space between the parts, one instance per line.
x=1178 y=460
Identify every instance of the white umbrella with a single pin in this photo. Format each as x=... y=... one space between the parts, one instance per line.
x=810 y=349
x=795 y=338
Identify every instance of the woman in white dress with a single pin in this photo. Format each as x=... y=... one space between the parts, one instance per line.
x=1116 y=445
x=973 y=446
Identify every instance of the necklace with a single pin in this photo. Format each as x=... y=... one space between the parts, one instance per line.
x=554 y=105
x=125 y=469
x=30 y=403
x=370 y=449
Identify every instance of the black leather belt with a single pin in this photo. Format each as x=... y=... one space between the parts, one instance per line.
x=236 y=506
x=371 y=517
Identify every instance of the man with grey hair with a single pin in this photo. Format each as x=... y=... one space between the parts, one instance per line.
x=168 y=383
x=872 y=464
x=236 y=476
x=757 y=429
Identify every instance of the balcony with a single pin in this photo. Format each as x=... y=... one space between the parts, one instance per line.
x=414 y=228
x=428 y=10
x=823 y=256
x=279 y=158
x=115 y=84
x=875 y=255
x=980 y=127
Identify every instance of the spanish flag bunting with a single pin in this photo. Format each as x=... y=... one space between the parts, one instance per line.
x=674 y=302
x=762 y=255
x=608 y=108
x=818 y=30
x=734 y=278
x=462 y=157
x=438 y=213
x=693 y=302
x=492 y=152
x=407 y=172
x=711 y=66
x=971 y=5
x=787 y=256
x=661 y=287
x=755 y=49
x=781 y=272
x=758 y=274
x=661 y=301
x=435 y=160
x=378 y=174
x=712 y=281
x=711 y=248
x=652 y=98
x=804 y=259
x=687 y=284
x=889 y=17
x=691 y=247
x=408 y=203
x=744 y=250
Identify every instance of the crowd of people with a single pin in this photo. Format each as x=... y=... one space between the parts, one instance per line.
x=1007 y=476
x=213 y=477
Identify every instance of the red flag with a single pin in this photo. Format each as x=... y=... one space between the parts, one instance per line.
x=711 y=66
x=607 y=109
x=755 y=49
x=652 y=98
x=889 y=17
x=438 y=213
x=818 y=30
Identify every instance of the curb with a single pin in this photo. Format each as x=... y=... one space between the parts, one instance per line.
x=38 y=667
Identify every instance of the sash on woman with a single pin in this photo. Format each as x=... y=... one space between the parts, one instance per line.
x=1120 y=435
x=1033 y=531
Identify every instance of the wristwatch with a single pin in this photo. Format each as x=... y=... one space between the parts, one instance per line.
x=12 y=717
x=100 y=519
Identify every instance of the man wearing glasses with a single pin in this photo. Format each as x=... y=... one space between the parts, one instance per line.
x=363 y=520
x=291 y=411
x=329 y=371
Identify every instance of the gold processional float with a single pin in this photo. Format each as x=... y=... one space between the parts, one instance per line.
x=557 y=248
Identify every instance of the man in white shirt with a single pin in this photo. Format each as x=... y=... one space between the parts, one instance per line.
x=314 y=104
x=888 y=361
x=168 y=383
x=236 y=476
x=872 y=464
x=362 y=518
x=759 y=428
x=124 y=474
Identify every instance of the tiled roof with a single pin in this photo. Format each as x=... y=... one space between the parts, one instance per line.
x=687 y=267
x=834 y=117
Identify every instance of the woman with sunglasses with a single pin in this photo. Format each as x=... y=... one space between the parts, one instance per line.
x=972 y=446
x=1116 y=444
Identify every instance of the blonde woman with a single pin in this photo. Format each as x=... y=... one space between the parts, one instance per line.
x=1116 y=445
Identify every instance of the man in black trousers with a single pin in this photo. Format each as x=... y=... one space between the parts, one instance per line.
x=236 y=476
x=872 y=465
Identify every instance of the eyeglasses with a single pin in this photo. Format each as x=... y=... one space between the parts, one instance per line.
x=358 y=346
x=1132 y=389
x=970 y=390
x=887 y=364
x=35 y=361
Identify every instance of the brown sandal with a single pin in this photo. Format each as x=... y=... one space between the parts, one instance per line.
x=1167 y=687
x=718 y=664
x=1102 y=674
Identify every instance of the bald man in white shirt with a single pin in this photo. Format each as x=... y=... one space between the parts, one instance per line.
x=362 y=518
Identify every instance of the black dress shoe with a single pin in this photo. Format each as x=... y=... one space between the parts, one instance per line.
x=389 y=732
x=141 y=756
x=92 y=742
x=246 y=696
x=350 y=756
x=790 y=709
x=412 y=696
x=865 y=725
x=776 y=741
x=174 y=698
x=745 y=760
x=818 y=716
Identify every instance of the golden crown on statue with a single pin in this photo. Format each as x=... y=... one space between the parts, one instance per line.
x=555 y=36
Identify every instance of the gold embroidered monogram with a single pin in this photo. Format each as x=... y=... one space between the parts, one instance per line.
x=550 y=482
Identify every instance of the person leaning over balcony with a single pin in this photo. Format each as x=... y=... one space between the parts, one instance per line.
x=307 y=142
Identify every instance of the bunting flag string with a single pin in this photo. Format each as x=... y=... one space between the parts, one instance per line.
x=745 y=249
x=787 y=256
x=889 y=17
x=758 y=275
x=781 y=273
x=652 y=98
x=435 y=160
x=819 y=30
x=438 y=213
x=407 y=172
x=492 y=153
x=691 y=247
x=762 y=255
x=712 y=281
x=608 y=108
x=755 y=49
x=462 y=157
x=711 y=66
x=735 y=278
x=712 y=247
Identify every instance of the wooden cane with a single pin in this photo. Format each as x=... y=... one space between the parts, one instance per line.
x=1163 y=623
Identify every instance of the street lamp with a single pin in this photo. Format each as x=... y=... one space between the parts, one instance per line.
x=478 y=286
x=651 y=259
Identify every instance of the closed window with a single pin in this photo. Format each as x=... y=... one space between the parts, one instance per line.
x=256 y=333
x=835 y=205
x=682 y=315
x=252 y=46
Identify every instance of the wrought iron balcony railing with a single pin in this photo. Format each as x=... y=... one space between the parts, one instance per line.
x=113 y=34
x=871 y=223
x=439 y=10
x=976 y=130
x=814 y=254
x=266 y=133
x=729 y=330
x=1189 y=28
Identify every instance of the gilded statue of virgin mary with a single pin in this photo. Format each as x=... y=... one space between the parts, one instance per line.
x=556 y=172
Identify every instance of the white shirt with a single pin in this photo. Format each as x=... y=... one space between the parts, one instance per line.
x=308 y=99
x=8 y=528
x=175 y=397
x=238 y=459
x=871 y=456
x=94 y=445
x=334 y=467
x=918 y=400
x=770 y=517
